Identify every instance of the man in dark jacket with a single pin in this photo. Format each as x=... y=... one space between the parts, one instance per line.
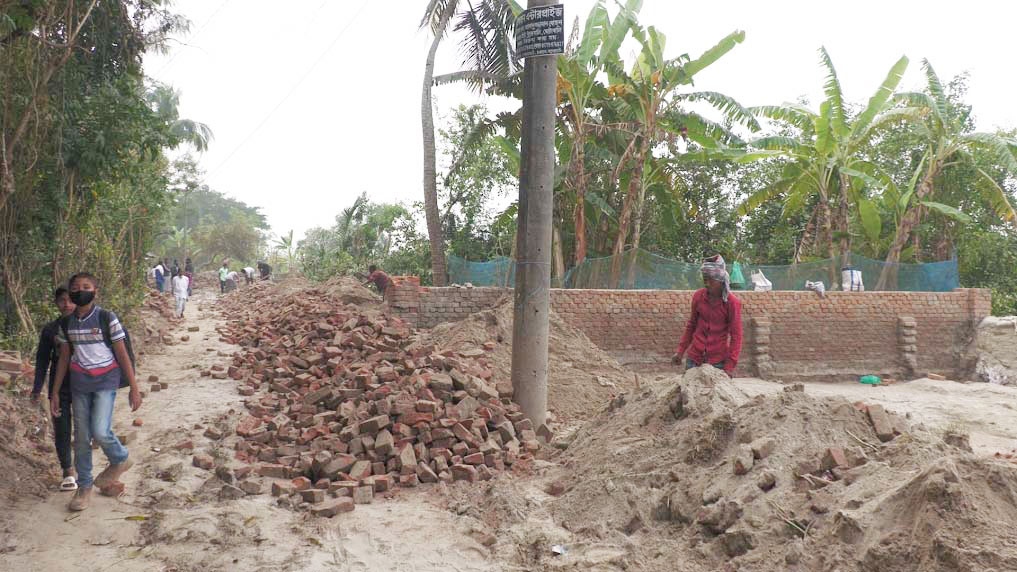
x=46 y=363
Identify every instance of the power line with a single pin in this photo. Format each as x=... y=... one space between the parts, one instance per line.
x=195 y=34
x=292 y=89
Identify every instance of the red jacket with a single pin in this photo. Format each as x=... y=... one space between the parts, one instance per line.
x=711 y=322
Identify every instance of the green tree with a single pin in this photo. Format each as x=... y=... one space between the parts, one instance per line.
x=578 y=88
x=481 y=172
x=647 y=97
x=287 y=246
x=826 y=160
x=948 y=144
x=487 y=27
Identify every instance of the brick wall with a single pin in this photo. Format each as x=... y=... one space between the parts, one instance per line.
x=790 y=335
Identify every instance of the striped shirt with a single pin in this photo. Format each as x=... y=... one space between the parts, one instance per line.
x=93 y=365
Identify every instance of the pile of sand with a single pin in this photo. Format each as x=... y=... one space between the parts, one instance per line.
x=582 y=379
x=693 y=474
x=348 y=290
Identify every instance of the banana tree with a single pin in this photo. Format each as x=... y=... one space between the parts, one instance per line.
x=646 y=97
x=578 y=87
x=827 y=168
x=947 y=145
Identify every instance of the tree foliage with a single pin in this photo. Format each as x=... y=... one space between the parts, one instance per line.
x=84 y=183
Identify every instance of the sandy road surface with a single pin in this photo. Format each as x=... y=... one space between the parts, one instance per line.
x=187 y=527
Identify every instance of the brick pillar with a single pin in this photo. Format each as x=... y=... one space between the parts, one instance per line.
x=402 y=298
x=761 y=349
x=907 y=341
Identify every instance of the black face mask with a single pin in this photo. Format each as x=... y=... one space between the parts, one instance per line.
x=82 y=297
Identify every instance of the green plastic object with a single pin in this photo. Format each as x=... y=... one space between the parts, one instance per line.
x=737 y=278
x=870 y=379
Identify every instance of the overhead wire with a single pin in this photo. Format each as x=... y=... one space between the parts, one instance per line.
x=292 y=89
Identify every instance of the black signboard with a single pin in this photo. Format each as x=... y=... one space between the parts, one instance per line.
x=541 y=31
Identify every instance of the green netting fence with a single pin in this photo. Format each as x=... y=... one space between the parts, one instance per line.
x=500 y=271
x=639 y=269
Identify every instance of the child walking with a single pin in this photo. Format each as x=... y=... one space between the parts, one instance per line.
x=181 y=287
x=95 y=373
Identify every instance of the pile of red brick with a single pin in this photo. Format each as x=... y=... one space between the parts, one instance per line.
x=348 y=404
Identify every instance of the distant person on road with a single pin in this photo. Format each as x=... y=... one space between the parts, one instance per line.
x=46 y=358
x=181 y=285
x=189 y=273
x=223 y=273
x=175 y=269
x=97 y=362
x=713 y=334
x=248 y=275
x=379 y=278
x=159 y=273
x=265 y=270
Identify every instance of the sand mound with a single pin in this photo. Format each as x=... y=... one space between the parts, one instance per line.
x=957 y=514
x=349 y=291
x=692 y=474
x=582 y=379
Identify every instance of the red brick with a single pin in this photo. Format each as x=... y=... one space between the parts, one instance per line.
x=333 y=507
x=203 y=462
x=835 y=458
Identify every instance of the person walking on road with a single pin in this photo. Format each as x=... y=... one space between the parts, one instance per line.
x=159 y=273
x=189 y=273
x=223 y=273
x=97 y=366
x=181 y=286
x=46 y=358
x=713 y=334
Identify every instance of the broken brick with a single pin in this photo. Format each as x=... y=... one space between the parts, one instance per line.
x=333 y=507
x=203 y=462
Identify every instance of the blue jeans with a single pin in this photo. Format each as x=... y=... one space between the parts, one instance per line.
x=93 y=419
x=689 y=364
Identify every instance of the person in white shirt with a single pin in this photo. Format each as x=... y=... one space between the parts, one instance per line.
x=249 y=275
x=159 y=274
x=180 y=284
x=232 y=280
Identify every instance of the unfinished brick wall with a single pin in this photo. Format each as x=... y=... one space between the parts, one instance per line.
x=797 y=334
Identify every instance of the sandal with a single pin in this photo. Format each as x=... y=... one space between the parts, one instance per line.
x=69 y=483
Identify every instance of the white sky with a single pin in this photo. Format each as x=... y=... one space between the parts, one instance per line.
x=314 y=101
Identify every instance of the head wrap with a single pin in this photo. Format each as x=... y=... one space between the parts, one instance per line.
x=714 y=267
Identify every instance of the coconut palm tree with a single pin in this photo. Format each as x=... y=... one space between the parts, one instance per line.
x=487 y=27
x=165 y=101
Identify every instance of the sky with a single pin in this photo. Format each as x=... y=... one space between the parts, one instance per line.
x=314 y=101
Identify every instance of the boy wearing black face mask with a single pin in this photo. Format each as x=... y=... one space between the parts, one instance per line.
x=95 y=371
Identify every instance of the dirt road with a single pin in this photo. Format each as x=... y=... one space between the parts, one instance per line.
x=170 y=517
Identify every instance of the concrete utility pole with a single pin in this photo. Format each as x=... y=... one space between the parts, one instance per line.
x=533 y=267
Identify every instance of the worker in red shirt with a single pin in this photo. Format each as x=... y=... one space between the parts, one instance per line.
x=378 y=277
x=713 y=334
